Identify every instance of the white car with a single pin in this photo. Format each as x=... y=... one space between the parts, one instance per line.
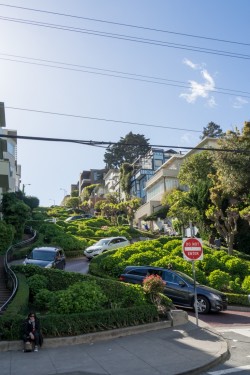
x=105 y=244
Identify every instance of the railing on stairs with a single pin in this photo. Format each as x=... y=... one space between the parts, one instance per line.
x=10 y=277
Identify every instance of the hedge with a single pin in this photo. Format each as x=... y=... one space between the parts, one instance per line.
x=54 y=325
x=238 y=299
x=19 y=305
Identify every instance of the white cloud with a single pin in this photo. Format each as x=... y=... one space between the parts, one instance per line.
x=239 y=102
x=186 y=138
x=197 y=89
x=190 y=64
x=211 y=102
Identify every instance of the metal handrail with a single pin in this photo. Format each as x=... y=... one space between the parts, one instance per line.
x=10 y=275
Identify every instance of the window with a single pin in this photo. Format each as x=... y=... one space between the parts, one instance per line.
x=138 y=272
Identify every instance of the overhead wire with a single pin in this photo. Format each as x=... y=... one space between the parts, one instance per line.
x=108 y=144
x=115 y=74
x=101 y=119
x=125 y=24
x=129 y=38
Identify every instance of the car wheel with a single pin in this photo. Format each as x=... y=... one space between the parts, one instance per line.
x=203 y=305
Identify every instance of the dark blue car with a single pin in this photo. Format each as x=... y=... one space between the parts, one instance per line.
x=179 y=287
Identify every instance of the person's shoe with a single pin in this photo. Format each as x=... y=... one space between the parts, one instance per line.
x=36 y=349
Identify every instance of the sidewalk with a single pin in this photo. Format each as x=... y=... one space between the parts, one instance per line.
x=179 y=349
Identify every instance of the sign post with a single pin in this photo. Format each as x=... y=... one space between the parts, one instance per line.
x=192 y=250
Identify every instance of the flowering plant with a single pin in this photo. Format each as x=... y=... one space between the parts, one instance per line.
x=153 y=284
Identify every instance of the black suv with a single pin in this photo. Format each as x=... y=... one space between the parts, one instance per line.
x=47 y=257
x=179 y=287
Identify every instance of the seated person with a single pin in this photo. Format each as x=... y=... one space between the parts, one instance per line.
x=32 y=331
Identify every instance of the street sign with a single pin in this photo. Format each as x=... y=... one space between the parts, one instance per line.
x=192 y=248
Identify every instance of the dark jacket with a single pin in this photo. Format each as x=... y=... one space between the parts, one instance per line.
x=29 y=327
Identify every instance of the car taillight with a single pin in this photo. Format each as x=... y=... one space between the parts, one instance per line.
x=121 y=278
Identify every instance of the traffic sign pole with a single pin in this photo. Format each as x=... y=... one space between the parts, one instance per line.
x=195 y=295
x=192 y=250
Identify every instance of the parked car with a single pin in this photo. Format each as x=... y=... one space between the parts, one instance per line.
x=105 y=244
x=78 y=217
x=47 y=257
x=179 y=287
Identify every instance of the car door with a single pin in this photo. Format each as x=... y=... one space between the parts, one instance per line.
x=176 y=288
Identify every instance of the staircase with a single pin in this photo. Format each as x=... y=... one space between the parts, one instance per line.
x=4 y=292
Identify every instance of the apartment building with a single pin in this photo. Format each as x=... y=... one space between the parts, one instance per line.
x=10 y=171
x=166 y=179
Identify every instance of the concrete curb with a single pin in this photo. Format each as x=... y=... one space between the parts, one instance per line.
x=222 y=355
x=176 y=317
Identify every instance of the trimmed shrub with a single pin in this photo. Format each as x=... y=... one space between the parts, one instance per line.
x=246 y=284
x=36 y=282
x=238 y=299
x=171 y=245
x=219 y=280
x=78 y=298
x=6 y=236
x=19 y=305
x=237 y=267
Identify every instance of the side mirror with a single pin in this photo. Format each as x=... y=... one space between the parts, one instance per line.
x=182 y=284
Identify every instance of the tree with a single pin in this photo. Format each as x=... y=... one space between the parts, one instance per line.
x=231 y=184
x=126 y=171
x=212 y=130
x=73 y=202
x=127 y=150
x=196 y=173
x=129 y=208
x=15 y=212
x=32 y=202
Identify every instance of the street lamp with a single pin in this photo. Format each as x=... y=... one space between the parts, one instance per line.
x=24 y=187
x=65 y=191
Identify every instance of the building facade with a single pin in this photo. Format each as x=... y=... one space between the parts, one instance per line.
x=10 y=171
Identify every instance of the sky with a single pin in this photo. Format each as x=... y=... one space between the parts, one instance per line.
x=161 y=68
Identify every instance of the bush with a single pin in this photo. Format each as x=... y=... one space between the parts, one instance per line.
x=237 y=267
x=19 y=305
x=153 y=284
x=246 y=284
x=78 y=298
x=219 y=280
x=36 y=282
x=6 y=236
x=210 y=263
x=171 y=245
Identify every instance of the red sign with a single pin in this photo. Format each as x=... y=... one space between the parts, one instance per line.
x=192 y=248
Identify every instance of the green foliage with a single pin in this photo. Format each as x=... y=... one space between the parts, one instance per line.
x=6 y=236
x=35 y=283
x=246 y=284
x=219 y=280
x=15 y=212
x=126 y=150
x=210 y=263
x=172 y=244
x=79 y=297
x=237 y=267
x=55 y=325
x=212 y=130
x=238 y=299
x=85 y=232
x=19 y=305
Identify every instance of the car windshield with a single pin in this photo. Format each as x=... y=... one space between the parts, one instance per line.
x=42 y=255
x=185 y=277
x=102 y=242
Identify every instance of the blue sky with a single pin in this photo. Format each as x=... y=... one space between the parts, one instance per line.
x=183 y=96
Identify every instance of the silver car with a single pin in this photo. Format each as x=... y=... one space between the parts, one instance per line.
x=105 y=244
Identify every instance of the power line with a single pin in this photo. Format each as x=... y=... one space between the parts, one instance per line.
x=108 y=144
x=100 y=119
x=130 y=38
x=116 y=74
x=127 y=25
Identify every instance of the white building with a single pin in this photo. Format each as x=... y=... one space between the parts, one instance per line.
x=166 y=179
